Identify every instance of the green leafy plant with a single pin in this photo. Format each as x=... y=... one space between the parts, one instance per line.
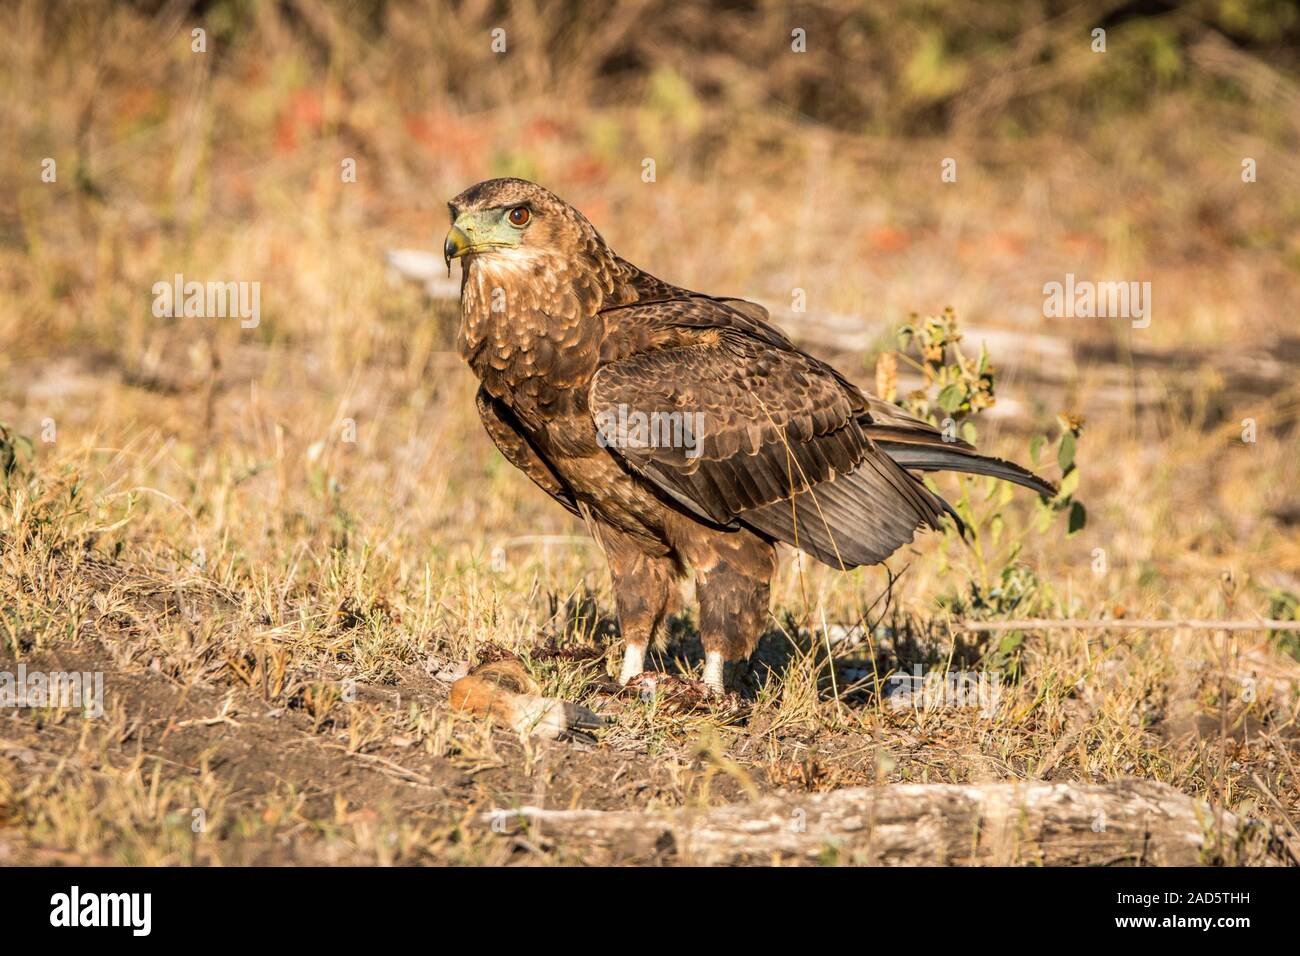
x=955 y=388
x=13 y=447
x=1284 y=605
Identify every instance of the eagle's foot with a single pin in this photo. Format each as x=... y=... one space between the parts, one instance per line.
x=713 y=673
x=633 y=663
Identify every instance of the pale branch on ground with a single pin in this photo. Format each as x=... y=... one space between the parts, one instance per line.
x=1128 y=822
x=1042 y=623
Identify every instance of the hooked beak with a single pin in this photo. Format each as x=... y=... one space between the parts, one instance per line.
x=455 y=245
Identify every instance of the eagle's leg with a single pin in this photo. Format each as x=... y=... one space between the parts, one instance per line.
x=733 y=580
x=643 y=586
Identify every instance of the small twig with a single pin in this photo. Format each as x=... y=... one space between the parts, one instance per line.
x=385 y=766
x=1036 y=623
x=546 y=539
x=830 y=657
x=1286 y=818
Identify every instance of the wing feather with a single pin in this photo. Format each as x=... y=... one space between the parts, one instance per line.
x=513 y=443
x=782 y=446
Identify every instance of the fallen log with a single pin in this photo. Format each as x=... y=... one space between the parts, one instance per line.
x=1129 y=822
x=1120 y=373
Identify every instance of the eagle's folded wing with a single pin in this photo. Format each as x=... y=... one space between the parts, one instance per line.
x=742 y=432
x=512 y=442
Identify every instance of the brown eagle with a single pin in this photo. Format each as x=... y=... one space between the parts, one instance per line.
x=685 y=429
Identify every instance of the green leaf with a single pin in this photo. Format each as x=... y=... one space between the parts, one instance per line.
x=950 y=398
x=1036 y=448
x=968 y=432
x=1078 y=518
x=1069 y=483
x=1065 y=454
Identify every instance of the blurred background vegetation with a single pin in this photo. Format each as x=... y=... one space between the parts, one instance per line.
x=1138 y=148
x=776 y=171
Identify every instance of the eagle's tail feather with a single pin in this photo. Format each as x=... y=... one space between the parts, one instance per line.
x=946 y=457
x=854 y=519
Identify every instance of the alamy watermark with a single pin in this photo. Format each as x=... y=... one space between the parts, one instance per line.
x=939 y=690
x=1084 y=299
x=83 y=689
x=622 y=427
x=75 y=908
x=208 y=300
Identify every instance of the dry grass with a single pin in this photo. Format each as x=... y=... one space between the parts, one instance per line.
x=273 y=604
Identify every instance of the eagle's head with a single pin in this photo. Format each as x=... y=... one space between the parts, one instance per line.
x=514 y=222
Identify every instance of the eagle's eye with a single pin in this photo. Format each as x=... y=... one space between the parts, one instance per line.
x=519 y=216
